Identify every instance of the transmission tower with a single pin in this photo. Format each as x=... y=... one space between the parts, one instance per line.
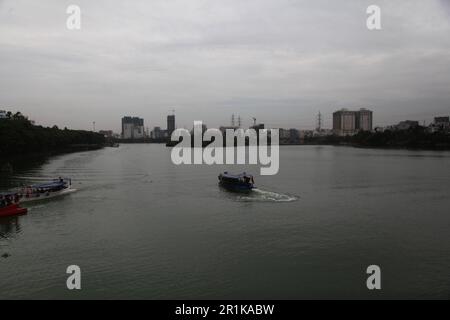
x=319 y=122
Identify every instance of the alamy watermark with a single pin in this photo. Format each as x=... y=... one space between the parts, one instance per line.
x=73 y=21
x=374 y=280
x=190 y=151
x=73 y=282
x=373 y=22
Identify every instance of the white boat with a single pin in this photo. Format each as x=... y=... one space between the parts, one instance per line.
x=58 y=187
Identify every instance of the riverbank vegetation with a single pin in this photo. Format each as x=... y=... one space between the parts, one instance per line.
x=20 y=136
x=414 y=138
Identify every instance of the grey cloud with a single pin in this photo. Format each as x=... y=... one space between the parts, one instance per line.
x=279 y=60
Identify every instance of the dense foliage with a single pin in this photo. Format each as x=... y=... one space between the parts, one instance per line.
x=18 y=135
x=414 y=138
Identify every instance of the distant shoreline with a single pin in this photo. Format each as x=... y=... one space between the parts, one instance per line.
x=417 y=138
x=436 y=148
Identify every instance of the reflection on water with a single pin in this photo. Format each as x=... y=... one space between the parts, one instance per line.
x=11 y=177
x=10 y=172
x=9 y=227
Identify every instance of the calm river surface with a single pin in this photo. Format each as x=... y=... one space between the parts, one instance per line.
x=141 y=227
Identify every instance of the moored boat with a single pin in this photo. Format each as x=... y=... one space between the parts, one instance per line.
x=236 y=182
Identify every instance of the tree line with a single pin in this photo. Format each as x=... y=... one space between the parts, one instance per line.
x=18 y=135
x=414 y=138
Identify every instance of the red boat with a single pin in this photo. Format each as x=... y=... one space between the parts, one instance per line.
x=12 y=210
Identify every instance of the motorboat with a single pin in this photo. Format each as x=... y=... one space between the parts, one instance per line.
x=13 y=209
x=236 y=182
x=55 y=188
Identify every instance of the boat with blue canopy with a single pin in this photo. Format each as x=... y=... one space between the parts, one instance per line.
x=236 y=182
x=42 y=191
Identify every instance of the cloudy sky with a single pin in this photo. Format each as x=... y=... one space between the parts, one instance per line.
x=278 y=60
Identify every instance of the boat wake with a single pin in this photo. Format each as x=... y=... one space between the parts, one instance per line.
x=267 y=196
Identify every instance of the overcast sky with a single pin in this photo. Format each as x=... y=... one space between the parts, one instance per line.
x=278 y=60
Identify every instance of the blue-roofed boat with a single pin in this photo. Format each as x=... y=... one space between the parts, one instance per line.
x=42 y=191
x=237 y=182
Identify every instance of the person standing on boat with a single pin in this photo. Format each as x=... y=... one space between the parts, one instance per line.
x=8 y=200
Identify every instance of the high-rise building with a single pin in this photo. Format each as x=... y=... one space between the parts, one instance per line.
x=364 y=120
x=3 y=114
x=132 y=128
x=346 y=122
x=170 y=124
x=158 y=134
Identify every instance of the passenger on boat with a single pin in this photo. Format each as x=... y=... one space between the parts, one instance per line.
x=2 y=202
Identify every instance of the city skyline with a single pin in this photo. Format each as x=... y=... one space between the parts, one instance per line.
x=209 y=60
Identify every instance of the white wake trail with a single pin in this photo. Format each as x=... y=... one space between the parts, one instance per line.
x=268 y=196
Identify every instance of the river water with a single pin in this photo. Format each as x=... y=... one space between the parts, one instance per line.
x=140 y=227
